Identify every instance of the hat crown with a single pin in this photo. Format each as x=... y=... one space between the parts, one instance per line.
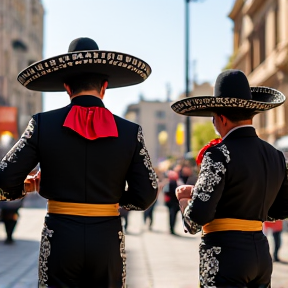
x=81 y=44
x=232 y=83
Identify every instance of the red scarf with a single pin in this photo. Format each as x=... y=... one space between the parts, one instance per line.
x=201 y=153
x=91 y=122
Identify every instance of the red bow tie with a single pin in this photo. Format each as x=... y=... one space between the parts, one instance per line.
x=91 y=122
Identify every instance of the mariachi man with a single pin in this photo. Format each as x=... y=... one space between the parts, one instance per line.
x=242 y=183
x=86 y=156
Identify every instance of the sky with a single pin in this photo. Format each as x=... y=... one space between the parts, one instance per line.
x=152 y=30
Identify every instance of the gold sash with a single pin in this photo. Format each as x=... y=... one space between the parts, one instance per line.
x=82 y=209
x=226 y=224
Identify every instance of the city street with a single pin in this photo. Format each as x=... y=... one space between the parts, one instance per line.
x=155 y=259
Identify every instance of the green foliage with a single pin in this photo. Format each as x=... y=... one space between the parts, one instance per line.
x=201 y=135
x=230 y=62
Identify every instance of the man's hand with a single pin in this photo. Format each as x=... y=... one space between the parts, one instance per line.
x=32 y=182
x=184 y=191
x=183 y=203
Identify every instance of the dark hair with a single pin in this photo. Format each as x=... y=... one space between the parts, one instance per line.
x=235 y=115
x=85 y=81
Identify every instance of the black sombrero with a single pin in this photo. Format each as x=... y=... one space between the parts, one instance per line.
x=84 y=56
x=231 y=91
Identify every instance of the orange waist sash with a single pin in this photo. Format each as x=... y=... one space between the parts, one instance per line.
x=226 y=224
x=82 y=209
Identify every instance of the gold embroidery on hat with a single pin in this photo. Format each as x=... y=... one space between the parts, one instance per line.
x=61 y=62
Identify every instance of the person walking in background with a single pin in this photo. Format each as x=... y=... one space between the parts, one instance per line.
x=148 y=215
x=9 y=210
x=276 y=228
x=86 y=156
x=9 y=214
x=242 y=183
x=192 y=179
x=185 y=172
x=170 y=198
x=124 y=215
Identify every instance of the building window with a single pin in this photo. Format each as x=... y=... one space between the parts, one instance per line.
x=160 y=128
x=30 y=106
x=160 y=114
x=262 y=42
x=262 y=121
x=251 y=52
x=276 y=28
x=286 y=116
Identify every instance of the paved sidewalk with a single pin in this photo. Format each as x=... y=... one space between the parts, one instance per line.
x=160 y=260
x=155 y=259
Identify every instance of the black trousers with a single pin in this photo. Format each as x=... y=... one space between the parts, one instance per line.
x=148 y=213
x=9 y=218
x=173 y=210
x=82 y=252
x=277 y=244
x=235 y=259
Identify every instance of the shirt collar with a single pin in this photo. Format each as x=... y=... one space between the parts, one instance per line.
x=87 y=101
x=235 y=128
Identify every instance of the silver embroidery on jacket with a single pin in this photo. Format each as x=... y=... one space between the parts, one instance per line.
x=2 y=195
x=209 y=266
x=131 y=207
x=123 y=256
x=192 y=227
x=209 y=177
x=12 y=154
x=147 y=161
x=45 y=249
x=226 y=153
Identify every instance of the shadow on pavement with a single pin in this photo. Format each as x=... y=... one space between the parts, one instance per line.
x=34 y=200
x=282 y=262
x=19 y=264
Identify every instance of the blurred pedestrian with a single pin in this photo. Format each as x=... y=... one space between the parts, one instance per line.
x=276 y=228
x=9 y=210
x=170 y=198
x=86 y=156
x=148 y=215
x=192 y=179
x=9 y=213
x=242 y=182
x=185 y=172
x=124 y=215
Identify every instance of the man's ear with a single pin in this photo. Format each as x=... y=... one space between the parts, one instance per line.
x=68 y=89
x=223 y=119
x=103 y=88
x=105 y=84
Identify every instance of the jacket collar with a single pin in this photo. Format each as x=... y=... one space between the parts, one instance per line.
x=87 y=101
x=246 y=131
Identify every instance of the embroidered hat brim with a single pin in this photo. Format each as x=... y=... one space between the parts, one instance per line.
x=263 y=99
x=49 y=75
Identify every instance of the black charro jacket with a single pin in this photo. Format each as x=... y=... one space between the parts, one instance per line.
x=74 y=169
x=243 y=177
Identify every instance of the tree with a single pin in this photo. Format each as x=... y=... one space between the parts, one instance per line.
x=201 y=135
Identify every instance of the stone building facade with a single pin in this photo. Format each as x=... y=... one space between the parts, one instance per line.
x=156 y=117
x=159 y=124
x=21 y=44
x=261 y=52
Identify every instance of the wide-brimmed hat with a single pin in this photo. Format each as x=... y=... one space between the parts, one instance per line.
x=84 y=56
x=231 y=92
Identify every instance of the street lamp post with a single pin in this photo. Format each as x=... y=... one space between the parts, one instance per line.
x=187 y=82
x=188 y=124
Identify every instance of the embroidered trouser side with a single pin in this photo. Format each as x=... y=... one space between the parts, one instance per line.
x=80 y=252
x=235 y=259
